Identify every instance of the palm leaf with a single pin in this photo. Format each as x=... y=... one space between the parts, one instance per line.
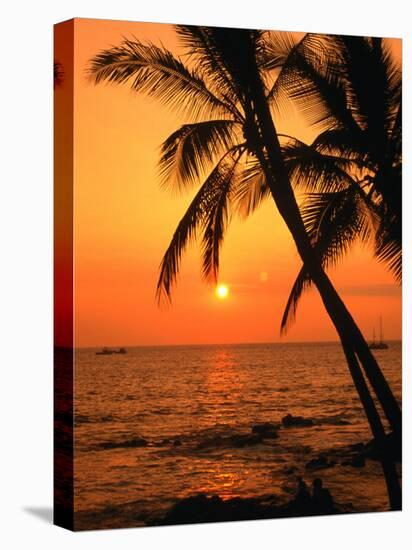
x=217 y=217
x=202 y=212
x=191 y=150
x=342 y=143
x=310 y=77
x=314 y=171
x=251 y=188
x=158 y=73
x=232 y=53
x=388 y=245
x=389 y=252
x=301 y=283
x=275 y=49
x=334 y=221
x=58 y=74
x=201 y=46
x=373 y=84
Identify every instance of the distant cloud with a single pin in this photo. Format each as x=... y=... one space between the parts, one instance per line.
x=391 y=290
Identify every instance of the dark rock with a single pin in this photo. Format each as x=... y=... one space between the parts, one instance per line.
x=356 y=462
x=247 y=440
x=267 y=430
x=270 y=435
x=129 y=443
x=296 y=421
x=177 y=443
x=264 y=427
x=357 y=447
x=333 y=420
x=236 y=440
x=203 y=508
x=319 y=463
x=216 y=441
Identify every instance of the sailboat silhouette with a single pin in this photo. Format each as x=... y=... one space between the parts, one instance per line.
x=381 y=344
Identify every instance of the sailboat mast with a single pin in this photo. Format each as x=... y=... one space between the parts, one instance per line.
x=380 y=329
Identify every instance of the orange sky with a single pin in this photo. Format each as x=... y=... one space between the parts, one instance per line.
x=123 y=223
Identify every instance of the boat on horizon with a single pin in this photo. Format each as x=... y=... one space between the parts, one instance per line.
x=381 y=344
x=107 y=351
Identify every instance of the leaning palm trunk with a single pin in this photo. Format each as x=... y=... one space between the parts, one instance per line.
x=344 y=323
x=339 y=314
x=269 y=153
x=388 y=465
x=324 y=286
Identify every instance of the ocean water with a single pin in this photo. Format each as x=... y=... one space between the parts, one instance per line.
x=180 y=399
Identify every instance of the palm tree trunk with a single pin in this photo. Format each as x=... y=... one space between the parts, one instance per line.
x=377 y=429
x=285 y=200
x=352 y=340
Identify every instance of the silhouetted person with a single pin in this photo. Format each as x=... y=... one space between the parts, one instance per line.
x=322 y=501
x=302 y=500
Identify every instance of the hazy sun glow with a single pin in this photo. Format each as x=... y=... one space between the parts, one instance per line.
x=222 y=291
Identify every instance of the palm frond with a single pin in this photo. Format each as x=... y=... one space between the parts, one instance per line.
x=155 y=71
x=284 y=55
x=388 y=245
x=342 y=143
x=389 y=252
x=58 y=74
x=191 y=150
x=364 y=76
x=373 y=83
x=217 y=218
x=393 y=91
x=311 y=78
x=235 y=50
x=275 y=49
x=318 y=91
x=301 y=283
x=395 y=138
x=313 y=171
x=251 y=189
x=208 y=210
x=202 y=48
x=334 y=221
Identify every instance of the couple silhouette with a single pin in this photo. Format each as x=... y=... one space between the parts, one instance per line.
x=319 y=501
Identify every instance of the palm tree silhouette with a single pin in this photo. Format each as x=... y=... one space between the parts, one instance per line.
x=58 y=74
x=225 y=83
x=352 y=169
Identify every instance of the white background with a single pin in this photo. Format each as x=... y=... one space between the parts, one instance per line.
x=26 y=273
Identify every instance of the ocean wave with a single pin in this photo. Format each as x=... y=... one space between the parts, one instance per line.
x=126 y=444
x=85 y=419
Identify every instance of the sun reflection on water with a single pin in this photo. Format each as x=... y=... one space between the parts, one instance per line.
x=223 y=482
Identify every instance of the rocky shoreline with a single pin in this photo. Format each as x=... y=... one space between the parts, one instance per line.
x=268 y=433
x=203 y=507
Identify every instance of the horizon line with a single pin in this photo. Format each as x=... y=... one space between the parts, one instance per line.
x=213 y=344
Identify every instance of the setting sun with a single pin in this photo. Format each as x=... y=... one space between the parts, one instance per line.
x=222 y=291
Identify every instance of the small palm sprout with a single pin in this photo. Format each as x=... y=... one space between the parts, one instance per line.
x=58 y=74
